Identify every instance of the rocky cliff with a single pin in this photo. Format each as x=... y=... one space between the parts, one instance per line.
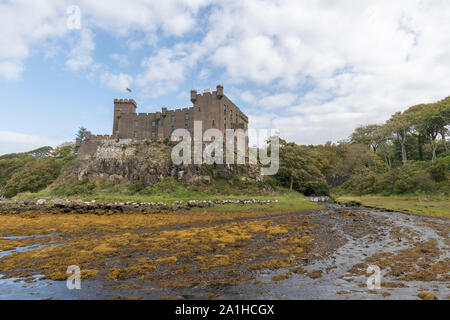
x=148 y=162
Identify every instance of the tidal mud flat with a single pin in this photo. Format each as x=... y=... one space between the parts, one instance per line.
x=312 y=254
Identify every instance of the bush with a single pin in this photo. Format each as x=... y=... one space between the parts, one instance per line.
x=414 y=178
x=33 y=178
x=439 y=170
x=166 y=185
x=364 y=182
x=74 y=187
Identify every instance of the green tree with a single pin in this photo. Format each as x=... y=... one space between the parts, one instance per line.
x=32 y=178
x=430 y=121
x=401 y=124
x=41 y=152
x=81 y=134
x=299 y=169
x=371 y=135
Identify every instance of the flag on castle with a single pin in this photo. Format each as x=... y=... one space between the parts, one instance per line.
x=129 y=90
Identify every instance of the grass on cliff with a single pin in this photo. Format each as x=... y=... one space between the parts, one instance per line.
x=433 y=206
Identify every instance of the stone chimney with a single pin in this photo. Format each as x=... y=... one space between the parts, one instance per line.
x=193 y=95
x=219 y=91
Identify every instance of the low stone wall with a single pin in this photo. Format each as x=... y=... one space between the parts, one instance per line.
x=67 y=206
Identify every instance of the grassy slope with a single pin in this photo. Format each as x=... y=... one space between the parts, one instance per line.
x=434 y=206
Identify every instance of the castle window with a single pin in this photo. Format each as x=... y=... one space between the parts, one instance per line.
x=173 y=118
x=213 y=124
x=173 y=128
x=136 y=123
x=186 y=127
x=199 y=109
x=135 y=134
x=162 y=122
x=153 y=123
x=153 y=134
x=186 y=116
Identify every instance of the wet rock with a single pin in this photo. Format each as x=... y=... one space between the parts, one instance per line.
x=29 y=201
x=203 y=204
x=206 y=179
x=76 y=204
x=353 y=204
x=192 y=203
x=59 y=203
x=315 y=274
x=427 y=296
x=321 y=199
x=41 y=202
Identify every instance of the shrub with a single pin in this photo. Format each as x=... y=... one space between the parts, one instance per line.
x=33 y=178
x=439 y=170
x=74 y=187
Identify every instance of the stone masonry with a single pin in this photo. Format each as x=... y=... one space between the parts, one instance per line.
x=214 y=109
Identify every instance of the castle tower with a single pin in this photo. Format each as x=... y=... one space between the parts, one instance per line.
x=121 y=107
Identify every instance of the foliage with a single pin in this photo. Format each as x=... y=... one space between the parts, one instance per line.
x=408 y=143
x=73 y=187
x=439 y=171
x=81 y=134
x=34 y=177
x=299 y=169
x=33 y=170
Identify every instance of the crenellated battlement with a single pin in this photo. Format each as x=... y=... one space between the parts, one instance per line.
x=96 y=137
x=125 y=101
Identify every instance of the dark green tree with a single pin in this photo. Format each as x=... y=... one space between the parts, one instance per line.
x=81 y=134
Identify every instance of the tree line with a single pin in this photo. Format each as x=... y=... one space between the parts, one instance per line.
x=407 y=154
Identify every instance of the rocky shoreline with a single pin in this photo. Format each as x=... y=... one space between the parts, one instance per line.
x=67 y=206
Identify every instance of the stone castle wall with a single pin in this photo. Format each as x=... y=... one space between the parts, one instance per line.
x=213 y=109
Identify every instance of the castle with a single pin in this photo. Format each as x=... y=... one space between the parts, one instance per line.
x=214 y=109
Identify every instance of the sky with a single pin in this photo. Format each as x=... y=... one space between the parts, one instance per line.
x=314 y=70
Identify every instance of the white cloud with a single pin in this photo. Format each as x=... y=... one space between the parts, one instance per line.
x=175 y=17
x=80 y=56
x=24 y=24
x=119 y=82
x=122 y=59
x=276 y=101
x=163 y=71
x=14 y=142
x=11 y=70
x=355 y=62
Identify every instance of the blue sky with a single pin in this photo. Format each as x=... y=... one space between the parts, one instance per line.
x=314 y=70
